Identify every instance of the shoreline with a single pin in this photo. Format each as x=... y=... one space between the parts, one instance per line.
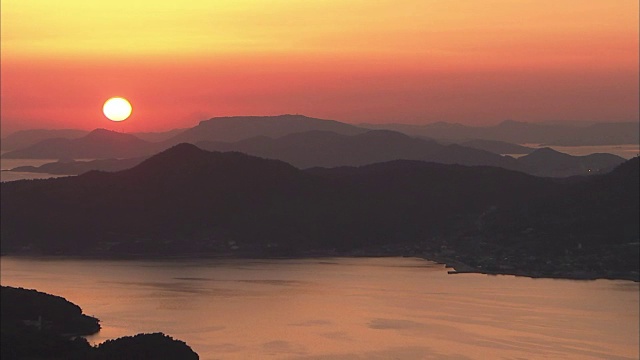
x=454 y=266
x=462 y=268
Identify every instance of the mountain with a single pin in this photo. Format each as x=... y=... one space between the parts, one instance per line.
x=98 y=144
x=548 y=162
x=593 y=222
x=316 y=149
x=189 y=201
x=497 y=147
x=178 y=194
x=329 y=149
x=74 y=167
x=523 y=132
x=157 y=136
x=242 y=127
x=186 y=199
x=25 y=138
x=601 y=134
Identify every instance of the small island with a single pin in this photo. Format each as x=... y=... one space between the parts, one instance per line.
x=36 y=325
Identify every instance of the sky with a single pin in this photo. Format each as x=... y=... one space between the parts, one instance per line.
x=409 y=61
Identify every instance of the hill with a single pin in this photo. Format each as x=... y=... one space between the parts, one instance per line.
x=45 y=311
x=549 y=162
x=98 y=144
x=179 y=193
x=236 y=128
x=157 y=136
x=25 y=138
x=523 y=132
x=74 y=167
x=497 y=147
x=189 y=201
x=589 y=227
x=207 y=199
x=330 y=149
x=37 y=325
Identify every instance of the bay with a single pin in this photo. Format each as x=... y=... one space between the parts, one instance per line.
x=342 y=308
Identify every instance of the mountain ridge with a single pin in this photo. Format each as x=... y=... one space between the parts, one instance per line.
x=190 y=201
x=328 y=149
x=234 y=128
x=615 y=133
x=97 y=144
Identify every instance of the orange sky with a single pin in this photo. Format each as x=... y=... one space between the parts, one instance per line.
x=414 y=61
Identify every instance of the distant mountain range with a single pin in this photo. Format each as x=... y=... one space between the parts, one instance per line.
x=308 y=142
x=101 y=143
x=329 y=149
x=189 y=201
x=548 y=162
x=315 y=149
x=526 y=133
x=98 y=144
x=26 y=138
x=77 y=167
x=497 y=147
x=230 y=129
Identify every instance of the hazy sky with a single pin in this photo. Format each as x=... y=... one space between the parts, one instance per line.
x=412 y=61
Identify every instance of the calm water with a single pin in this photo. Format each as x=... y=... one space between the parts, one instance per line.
x=6 y=164
x=366 y=308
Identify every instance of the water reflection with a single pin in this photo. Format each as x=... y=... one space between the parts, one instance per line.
x=343 y=308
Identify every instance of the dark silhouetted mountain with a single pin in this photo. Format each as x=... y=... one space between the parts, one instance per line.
x=157 y=136
x=601 y=134
x=317 y=149
x=596 y=220
x=186 y=193
x=497 y=147
x=37 y=325
x=548 y=162
x=81 y=167
x=242 y=127
x=56 y=313
x=523 y=132
x=329 y=149
x=202 y=192
x=98 y=144
x=189 y=201
x=25 y=138
x=155 y=346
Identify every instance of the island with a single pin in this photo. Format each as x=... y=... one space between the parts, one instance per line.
x=37 y=325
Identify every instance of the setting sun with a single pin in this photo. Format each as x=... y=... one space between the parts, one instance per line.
x=117 y=109
x=412 y=61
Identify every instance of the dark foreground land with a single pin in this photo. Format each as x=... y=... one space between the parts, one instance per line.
x=187 y=201
x=37 y=325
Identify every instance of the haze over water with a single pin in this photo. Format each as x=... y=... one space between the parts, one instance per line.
x=359 y=308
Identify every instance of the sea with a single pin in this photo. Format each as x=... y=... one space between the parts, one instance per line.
x=342 y=308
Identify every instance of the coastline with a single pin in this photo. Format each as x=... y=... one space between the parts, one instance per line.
x=456 y=266
x=463 y=268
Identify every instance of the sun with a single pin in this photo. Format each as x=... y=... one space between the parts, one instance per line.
x=117 y=109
